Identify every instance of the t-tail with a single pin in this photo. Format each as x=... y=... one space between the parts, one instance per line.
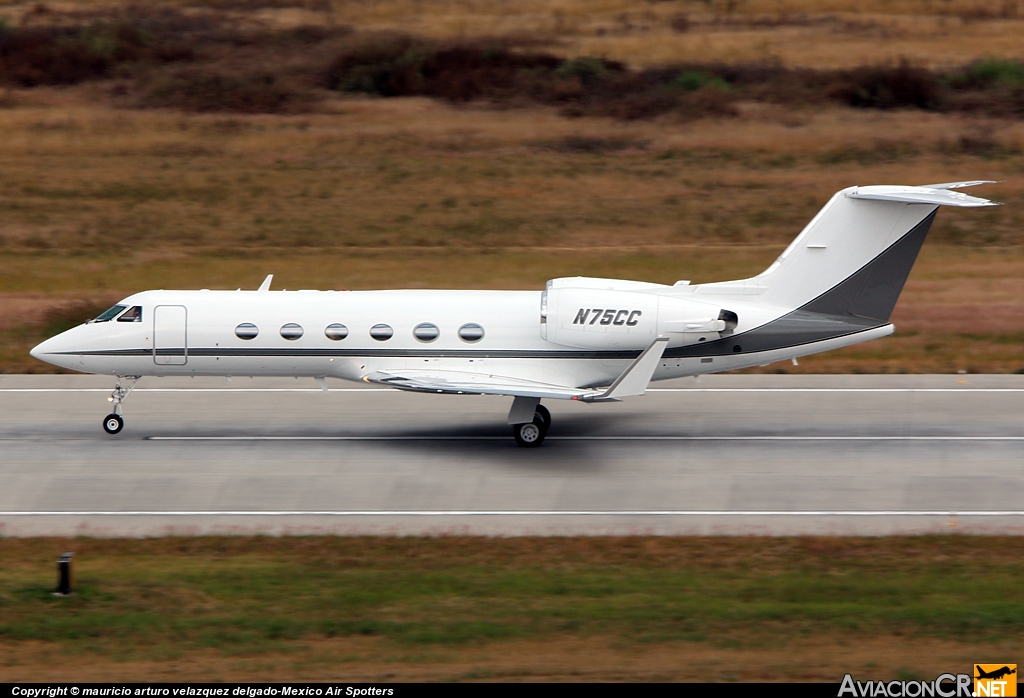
x=839 y=280
x=853 y=258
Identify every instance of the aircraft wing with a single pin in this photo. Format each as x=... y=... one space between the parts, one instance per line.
x=633 y=381
x=465 y=383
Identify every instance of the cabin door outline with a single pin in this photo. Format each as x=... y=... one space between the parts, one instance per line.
x=170 y=335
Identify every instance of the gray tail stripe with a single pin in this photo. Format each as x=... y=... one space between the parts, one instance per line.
x=862 y=301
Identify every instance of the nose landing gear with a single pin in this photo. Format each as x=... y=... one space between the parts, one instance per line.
x=114 y=422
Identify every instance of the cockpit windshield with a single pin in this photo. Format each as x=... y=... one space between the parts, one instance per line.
x=110 y=314
x=133 y=315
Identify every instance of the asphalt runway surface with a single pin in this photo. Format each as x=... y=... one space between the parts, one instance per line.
x=763 y=455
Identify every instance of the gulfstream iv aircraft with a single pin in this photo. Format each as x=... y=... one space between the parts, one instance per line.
x=585 y=339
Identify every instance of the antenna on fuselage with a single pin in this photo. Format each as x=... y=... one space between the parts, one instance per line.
x=265 y=286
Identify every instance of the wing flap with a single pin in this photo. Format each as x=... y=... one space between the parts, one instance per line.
x=633 y=381
x=466 y=383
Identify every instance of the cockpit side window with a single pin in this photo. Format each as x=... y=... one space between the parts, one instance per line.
x=132 y=315
x=110 y=314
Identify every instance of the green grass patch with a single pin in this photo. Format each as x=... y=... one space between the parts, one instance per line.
x=145 y=598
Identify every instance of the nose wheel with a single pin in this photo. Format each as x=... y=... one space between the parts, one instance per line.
x=113 y=423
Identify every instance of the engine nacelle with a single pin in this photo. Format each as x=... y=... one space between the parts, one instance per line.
x=614 y=319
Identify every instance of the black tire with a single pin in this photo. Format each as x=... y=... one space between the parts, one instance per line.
x=543 y=415
x=113 y=423
x=529 y=435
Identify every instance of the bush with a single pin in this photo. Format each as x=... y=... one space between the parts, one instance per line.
x=691 y=80
x=66 y=55
x=395 y=65
x=989 y=73
x=200 y=91
x=889 y=87
x=589 y=71
x=141 y=42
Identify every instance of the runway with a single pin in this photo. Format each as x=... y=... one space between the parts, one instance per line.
x=763 y=455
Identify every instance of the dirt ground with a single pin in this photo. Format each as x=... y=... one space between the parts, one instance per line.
x=819 y=659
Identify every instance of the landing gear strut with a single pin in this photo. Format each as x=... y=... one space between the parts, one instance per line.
x=529 y=434
x=114 y=422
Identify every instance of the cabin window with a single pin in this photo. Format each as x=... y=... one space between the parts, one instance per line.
x=336 y=331
x=471 y=332
x=134 y=314
x=110 y=314
x=381 y=332
x=426 y=332
x=247 y=330
x=291 y=331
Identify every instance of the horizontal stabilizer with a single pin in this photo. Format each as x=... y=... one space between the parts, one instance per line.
x=958 y=185
x=918 y=195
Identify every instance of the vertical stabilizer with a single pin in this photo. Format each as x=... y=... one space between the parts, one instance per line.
x=854 y=257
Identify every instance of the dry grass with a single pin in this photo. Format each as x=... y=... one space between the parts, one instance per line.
x=818 y=658
x=812 y=33
x=100 y=202
x=98 y=199
x=418 y=173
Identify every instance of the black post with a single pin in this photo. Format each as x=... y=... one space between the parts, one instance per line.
x=64 y=577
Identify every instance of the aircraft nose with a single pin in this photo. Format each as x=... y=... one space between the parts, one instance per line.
x=39 y=350
x=45 y=350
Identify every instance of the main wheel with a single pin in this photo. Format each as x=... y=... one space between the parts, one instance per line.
x=529 y=435
x=544 y=416
x=113 y=423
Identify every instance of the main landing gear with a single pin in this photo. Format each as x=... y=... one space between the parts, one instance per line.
x=529 y=434
x=114 y=422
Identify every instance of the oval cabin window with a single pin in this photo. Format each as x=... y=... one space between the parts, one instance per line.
x=336 y=331
x=291 y=331
x=381 y=332
x=426 y=332
x=247 y=330
x=471 y=332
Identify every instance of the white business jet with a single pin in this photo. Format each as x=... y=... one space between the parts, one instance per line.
x=585 y=339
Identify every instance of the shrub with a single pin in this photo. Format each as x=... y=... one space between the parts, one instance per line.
x=989 y=73
x=692 y=80
x=66 y=55
x=201 y=91
x=394 y=65
x=589 y=71
x=889 y=87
